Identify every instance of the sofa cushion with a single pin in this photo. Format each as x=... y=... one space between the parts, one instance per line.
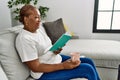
x=10 y=61
x=54 y=29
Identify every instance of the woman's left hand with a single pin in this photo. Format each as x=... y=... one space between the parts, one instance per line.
x=57 y=51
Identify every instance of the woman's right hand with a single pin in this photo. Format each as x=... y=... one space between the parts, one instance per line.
x=69 y=64
x=57 y=51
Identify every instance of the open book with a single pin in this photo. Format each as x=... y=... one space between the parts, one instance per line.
x=60 y=42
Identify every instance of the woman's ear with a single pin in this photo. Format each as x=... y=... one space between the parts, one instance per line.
x=25 y=21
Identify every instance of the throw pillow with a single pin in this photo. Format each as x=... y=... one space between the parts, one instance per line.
x=10 y=61
x=68 y=30
x=54 y=29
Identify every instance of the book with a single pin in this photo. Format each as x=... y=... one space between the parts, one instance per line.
x=60 y=42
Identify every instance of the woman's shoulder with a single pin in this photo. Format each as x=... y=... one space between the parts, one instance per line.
x=24 y=35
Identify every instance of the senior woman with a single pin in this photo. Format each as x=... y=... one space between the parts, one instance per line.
x=31 y=44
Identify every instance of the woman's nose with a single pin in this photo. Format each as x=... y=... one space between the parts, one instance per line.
x=38 y=19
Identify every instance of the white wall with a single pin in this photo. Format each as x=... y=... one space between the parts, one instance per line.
x=5 y=18
x=78 y=15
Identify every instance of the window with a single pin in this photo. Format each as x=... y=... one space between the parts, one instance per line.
x=106 y=16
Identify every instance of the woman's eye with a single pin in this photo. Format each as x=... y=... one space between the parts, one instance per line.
x=36 y=17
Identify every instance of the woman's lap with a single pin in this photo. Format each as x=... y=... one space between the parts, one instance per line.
x=85 y=70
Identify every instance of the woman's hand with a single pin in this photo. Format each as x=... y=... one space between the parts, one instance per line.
x=69 y=64
x=57 y=51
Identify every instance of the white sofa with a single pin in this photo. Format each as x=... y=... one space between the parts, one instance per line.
x=105 y=53
x=2 y=74
x=11 y=67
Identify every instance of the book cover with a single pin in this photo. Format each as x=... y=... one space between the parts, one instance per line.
x=61 y=41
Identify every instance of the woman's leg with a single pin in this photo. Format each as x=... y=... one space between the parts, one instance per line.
x=85 y=70
x=84 y=60
x=89 y=61
x=82 y=71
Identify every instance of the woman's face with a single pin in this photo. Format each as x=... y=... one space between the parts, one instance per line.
x=33 y=20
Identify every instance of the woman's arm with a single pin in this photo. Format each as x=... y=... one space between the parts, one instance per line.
x=36 y=66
